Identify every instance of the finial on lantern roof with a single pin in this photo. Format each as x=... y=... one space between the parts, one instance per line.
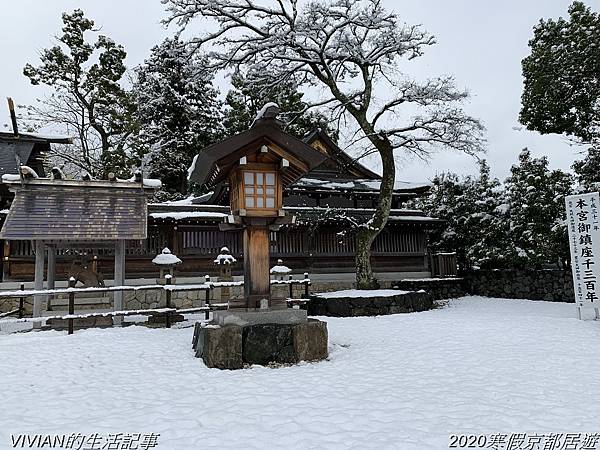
x=269 y=111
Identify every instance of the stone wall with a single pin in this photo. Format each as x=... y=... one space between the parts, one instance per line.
x=11 y=304
x=369 y=306
x=549 y=285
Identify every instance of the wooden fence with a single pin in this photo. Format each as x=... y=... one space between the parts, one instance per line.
x=168 y=287
x=444 y=265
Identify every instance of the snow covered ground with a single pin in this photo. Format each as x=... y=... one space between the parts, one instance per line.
x=404 y=381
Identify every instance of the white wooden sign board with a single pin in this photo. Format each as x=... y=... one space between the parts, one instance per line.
x=583 y=221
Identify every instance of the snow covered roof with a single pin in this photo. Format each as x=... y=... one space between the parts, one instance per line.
x=214 y=163
x=192 y=168
x=179 y=215
x=36 y=137
x=188 y=201
x=217 y=213
x=359 y=185
x=340 y=163
x=15 y=179
x=166 y=258
x=74 y=210
x=414 y=219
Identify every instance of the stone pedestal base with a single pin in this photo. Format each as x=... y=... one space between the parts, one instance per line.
x=230 y=347
x=255 y=317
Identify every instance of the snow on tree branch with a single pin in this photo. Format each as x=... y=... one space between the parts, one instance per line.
x=354 y=48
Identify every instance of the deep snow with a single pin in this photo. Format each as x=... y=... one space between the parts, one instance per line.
x=405 y=381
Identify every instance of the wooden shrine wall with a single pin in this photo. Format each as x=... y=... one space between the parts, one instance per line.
x=397 y=248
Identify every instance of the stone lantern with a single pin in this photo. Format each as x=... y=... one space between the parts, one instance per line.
x=225 y=260
x=280 y=270
x=166 y=261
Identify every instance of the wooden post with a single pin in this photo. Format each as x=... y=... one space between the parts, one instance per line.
x=6 y=261
x=119 y=278
x=306 y=285
x=168 y=304
x=51 y=276
x=71 y=303
x=207 y=299
x=21 y=300
x=257 y=279
x=39 y=280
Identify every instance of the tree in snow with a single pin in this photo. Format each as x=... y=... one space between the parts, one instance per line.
x=486 y=224
x=587 y=170
x=88 y=100
x=249 y=93
x=536 y=212
x=562 y=76
x=472 y=208
x=178 y=112
x=350 y=50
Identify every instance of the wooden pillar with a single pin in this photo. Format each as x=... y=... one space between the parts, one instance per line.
x=256 y=265
x=119 y=277
x=39 y=278
x=6 y=261
x=51 y=277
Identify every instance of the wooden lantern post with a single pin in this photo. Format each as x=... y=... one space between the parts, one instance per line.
x=257 y=200
x=256 y=164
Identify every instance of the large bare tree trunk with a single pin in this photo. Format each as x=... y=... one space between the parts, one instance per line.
x=365 y=279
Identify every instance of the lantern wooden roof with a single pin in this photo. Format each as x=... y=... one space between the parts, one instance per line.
x=74 y=210
x=215 y=162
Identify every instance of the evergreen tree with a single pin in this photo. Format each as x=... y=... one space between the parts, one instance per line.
x=587 y=170
x=562 y=76
x=248 y=95
x=486 y=226
x=472 y=210
x=536 y=212
x=448 y=201
x=88 y=100
x=178 y=112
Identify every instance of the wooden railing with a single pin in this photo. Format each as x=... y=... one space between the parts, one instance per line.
x=208 y=286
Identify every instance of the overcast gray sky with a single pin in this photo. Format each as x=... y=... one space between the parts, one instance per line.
x=480 y=42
